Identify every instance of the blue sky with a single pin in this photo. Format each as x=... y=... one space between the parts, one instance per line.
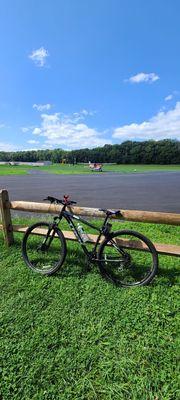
x=82 y=73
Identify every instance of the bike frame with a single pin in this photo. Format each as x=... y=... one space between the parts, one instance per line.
x=103 y=231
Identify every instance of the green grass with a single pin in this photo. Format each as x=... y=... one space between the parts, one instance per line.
x=84 y=169
x=14 y=169
x=75 y=336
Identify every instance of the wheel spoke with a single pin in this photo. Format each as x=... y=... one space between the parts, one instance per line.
x=43 y=251
x=124 y=263
x=118 y=248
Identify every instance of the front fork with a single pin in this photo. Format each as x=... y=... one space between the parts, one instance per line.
x=48 y=238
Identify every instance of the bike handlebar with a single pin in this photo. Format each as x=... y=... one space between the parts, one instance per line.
x=58 y=201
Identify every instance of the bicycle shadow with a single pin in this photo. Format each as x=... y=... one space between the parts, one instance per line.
x=76 y=265
x=168 y=277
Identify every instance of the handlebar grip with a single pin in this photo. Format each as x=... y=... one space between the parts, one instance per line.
x=57 y=201
x=49 y=198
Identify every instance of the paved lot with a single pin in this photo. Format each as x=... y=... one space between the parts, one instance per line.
x=159 y=191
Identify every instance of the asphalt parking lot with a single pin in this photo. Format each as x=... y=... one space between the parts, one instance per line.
x=157 y=191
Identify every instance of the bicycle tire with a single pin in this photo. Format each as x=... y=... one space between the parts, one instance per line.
x=32 y=252
x=127 y=269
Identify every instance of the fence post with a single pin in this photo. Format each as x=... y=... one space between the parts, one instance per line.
x=6 y=217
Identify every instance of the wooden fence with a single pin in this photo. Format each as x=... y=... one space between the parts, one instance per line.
x=127 y=215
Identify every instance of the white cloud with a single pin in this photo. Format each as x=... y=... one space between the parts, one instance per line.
x=143 y=77
x=36 y=131
x=68 y=131
x=26 y=129
x=171 y=96
x=7 y=147
x=164 y=125
x=31 y=149
x=79 y=116
x=39 y=56
x=42 y=107
x=33 y=141
x=167 y=98
x=2 y=126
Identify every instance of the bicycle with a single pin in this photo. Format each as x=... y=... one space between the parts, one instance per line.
x=125 y=257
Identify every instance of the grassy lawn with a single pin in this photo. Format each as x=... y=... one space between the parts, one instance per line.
x=14 y=169
x=76 y=336
x=84 y=169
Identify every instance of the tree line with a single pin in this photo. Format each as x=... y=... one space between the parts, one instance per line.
x=130 y=152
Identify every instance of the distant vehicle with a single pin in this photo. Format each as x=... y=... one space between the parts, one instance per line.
x=31 y=164
x=95 y=166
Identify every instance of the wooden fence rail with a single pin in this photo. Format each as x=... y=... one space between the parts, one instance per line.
x=129 y=215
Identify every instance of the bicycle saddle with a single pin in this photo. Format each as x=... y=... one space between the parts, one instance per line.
x=110 y=212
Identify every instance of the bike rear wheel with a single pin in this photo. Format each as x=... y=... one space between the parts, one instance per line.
x=44 y=248
x=128 y=258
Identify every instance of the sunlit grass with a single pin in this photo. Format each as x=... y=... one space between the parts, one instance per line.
x=122 y=168
x=13 y=169
x=76 y=336
x=70 y=169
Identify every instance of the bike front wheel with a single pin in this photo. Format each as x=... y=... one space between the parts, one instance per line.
x=44 y=248
x=128 y=258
